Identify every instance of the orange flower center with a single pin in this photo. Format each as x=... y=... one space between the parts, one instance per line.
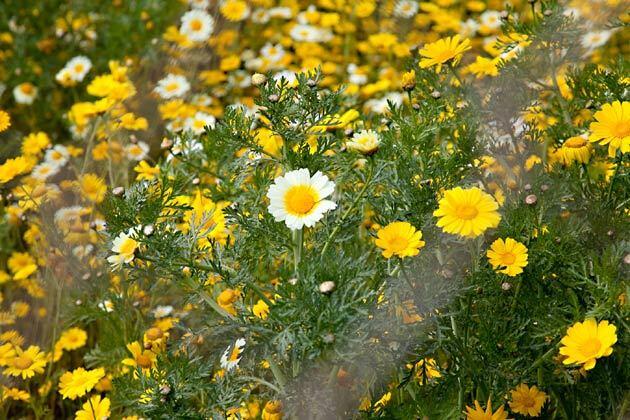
x=621 y=129
x=527 y=401
x=299 y=200
x=27 y=88
x=172 y=86
x=195 y=25
x=397 y=243
x=508 y=258
x=78 y=68
x=22 y=362
x=143 y=360
x=466 y=212
x=590 y=347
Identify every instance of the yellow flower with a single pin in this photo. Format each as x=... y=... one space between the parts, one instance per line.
x=12 y=168
x=467 y=212
x=408 y=81
x=235 y=10
x=142 y=358
x=207 y=217
x=527 y=401
x=226 y=300
x=78 y=382
x=72 y=339
x=272 y=410
x=574 y=149
x=125 y=247
x=612 y=127
x=22 y=265
x=26 y=363
x=483 y=67
x=92 y=187
x=95 y=409
x=15 y=394
x=426 y=369
x=478 y=413
x=587 y=341
x=34 y=143
x=5 y=120
x=146 y=171
x=400 y=239
x=7 y=353
x=442 y=51
x=261 y=309
x=509 y=254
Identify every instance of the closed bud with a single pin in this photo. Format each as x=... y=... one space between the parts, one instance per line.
x=531 y=199
x=258 y=79
x=311 y=83
x=436 y=94
x=274 y=98
x=118 y=191
x=327 y=287
x=148 y=230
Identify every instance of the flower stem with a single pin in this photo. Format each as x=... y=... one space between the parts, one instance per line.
x=298 y=246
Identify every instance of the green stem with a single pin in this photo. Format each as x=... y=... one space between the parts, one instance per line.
x=298 y=246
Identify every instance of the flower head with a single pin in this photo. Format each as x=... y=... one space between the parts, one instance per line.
x=124 y=246
x=587 y=341
x=298 y=199
x=5 y=120
x=400 y=239
x=479 y=413
x=508 y=256
x=197 y=25
x=612 y=127
x=96 y=408
x=78 y=382
x=26 y=363
x=365 y=141
x=527 y=401
x=232 y=355
x=574 y=149
x=442 y=51
x=467 y=212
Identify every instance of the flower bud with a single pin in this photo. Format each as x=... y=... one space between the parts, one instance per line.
x=259 y=79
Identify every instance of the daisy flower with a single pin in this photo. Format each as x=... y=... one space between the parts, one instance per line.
x=78 y=68
x=575 y=149
x=479 y=413
x=79 y=382
x=172 y=86
x=198 y=123
x=299 y=199
x=467 y=212
x=406 y=9
x=124 y=246
x=508 y=256
x=595 y=39
x=612 y=127
x=57 y=156
x=235 y=10
x=587 y=341
x=365 y=141
x=5 y=120
x=25 y=93
x=400 y=239
x=197 y=25
x=26 y=363
x=44 y=170
x=232 y=355
x=137 y=151
x=72 y=339
x=443 y=51
x=97 y=408
x=527 y=401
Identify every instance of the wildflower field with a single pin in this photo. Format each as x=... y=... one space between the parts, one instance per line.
x=326 y=209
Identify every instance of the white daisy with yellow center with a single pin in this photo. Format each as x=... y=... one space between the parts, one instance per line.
x=232 y=355
x=79 y=67
x=172 y=86
x=124 y=247
x=197 y=25
x=199 y=122
x=299 y=199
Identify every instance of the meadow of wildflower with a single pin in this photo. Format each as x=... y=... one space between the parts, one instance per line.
x=327 y=209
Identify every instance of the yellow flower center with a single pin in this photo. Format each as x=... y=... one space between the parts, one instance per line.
x=234 y=354
x=78 y=68
x=300 y=199
x=128 y=246
x=508 y=258
x=143 y=360
x=397 y=243
x=27 y=88
x=527 y=401
x=172 y=86
x=196 y=25
x=22 y=362
x=466 y=212
x=575 y=142
x=590 y=347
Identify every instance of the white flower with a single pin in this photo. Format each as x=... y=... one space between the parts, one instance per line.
x=281 y=12
x=468 y=28
x=137 y=151
x=124 y=246
x=199 y=4
x=82 y=251
x=199 y=122
x=260 y=16
x=309 y=33
x=273 y=53
x=365 y=141
x=106 y=306
x=162 y=311
x=595 y=39
x=57 y=156
x=232 y=355
x=44 y=170
x=406 y=8
x=25 y=93
x=172 y=86
x=78 y=67
x=491 y=19
x=299 y=199
x=197 y=25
